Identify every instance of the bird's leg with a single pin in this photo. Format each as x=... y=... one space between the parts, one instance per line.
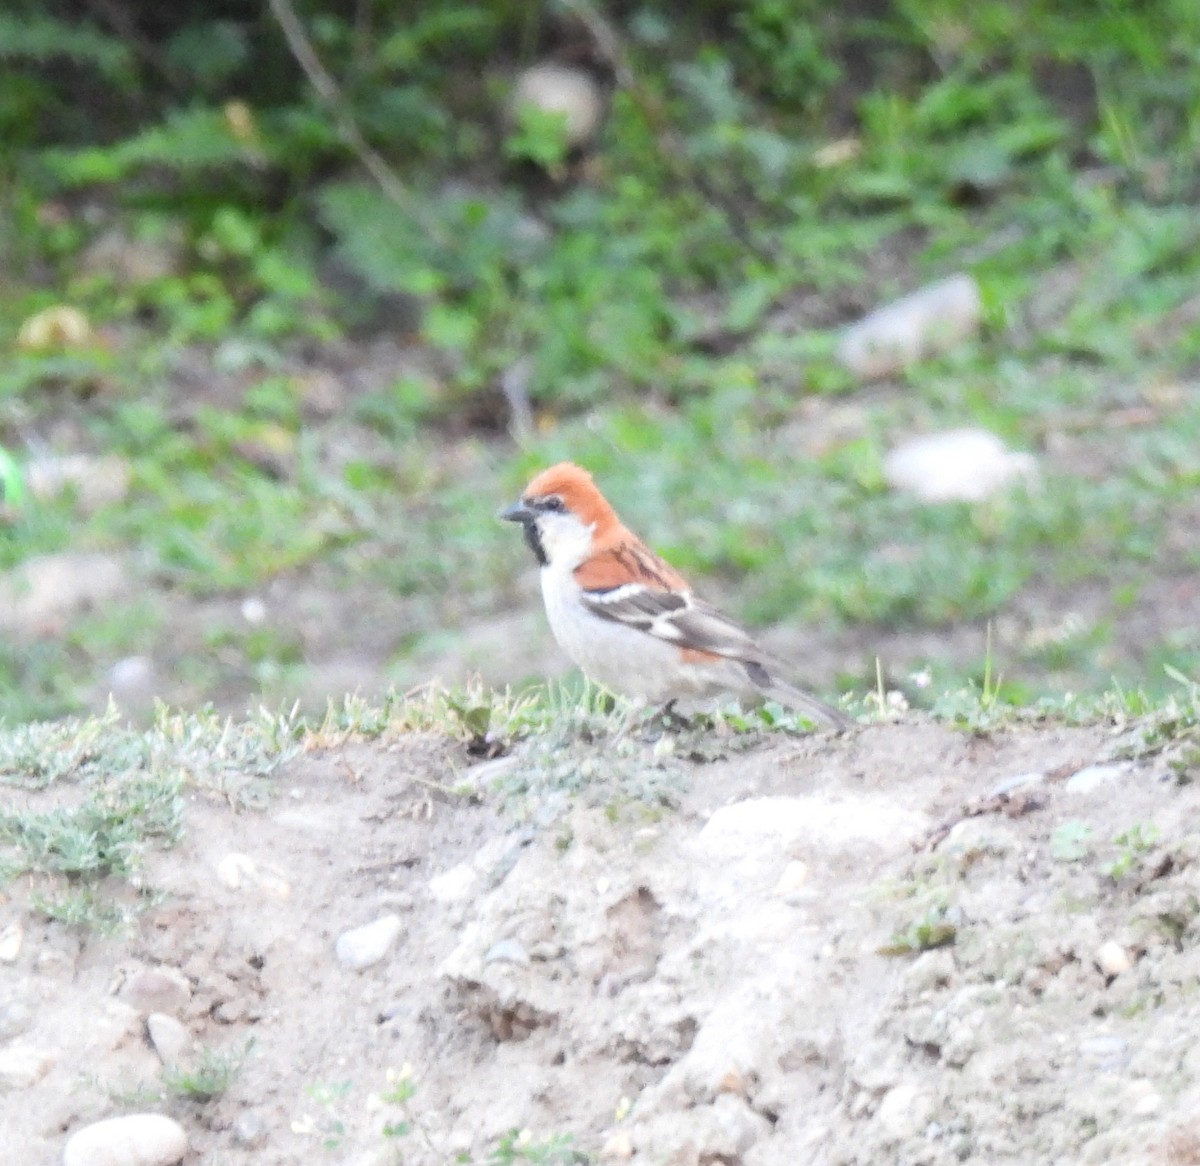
x=670 y=719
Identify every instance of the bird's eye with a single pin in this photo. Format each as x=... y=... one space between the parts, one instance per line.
x=554 y=504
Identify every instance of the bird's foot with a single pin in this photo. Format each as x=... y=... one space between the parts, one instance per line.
x=667 y=719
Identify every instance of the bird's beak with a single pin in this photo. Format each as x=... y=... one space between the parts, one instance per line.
x=517 y=512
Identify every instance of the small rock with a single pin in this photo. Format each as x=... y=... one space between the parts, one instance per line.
x=931 y=971
x=55 y=329
x=509 y=951
x=1145 y=1100
x=904 y=1111
x=132 y=680
x=793 y=878
x=238 y=871
x=958 y=465
x=1107 y=1052
x=1084 y=781
x=171 y=1040
x=741 y=1125
x=363 y=946
x=251 y=1129
x=54 y=961
x=235 y=870
x=254 y=610
x=572 y=92
x=16 y=1017
x=11 y=939
x=22 y=1066
x=157 y=990
x=617 y=1147
x=1112 y=959
x=94 y=481
x=930 y=320
x=1011 y=785
x=758 y=823
x=141 y=1139
x=454 y=885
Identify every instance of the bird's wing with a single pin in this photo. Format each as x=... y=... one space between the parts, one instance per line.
x=630 y=584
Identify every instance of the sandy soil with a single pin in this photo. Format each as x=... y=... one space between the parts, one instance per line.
x=693 y=950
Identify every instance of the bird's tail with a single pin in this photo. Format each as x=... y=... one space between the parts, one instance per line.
x=773 y=688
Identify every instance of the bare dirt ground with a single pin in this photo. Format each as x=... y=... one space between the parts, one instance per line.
x=670 y=956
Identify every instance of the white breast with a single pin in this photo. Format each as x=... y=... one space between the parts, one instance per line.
x=624 y=659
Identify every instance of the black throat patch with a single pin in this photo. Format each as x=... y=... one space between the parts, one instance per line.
x=533 y=540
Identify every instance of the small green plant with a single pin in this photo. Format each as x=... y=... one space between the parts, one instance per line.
x=400 y=1090
x=1135 y=844
x=1071 y=841
x=935 y=928
x=207 y=1076
x=540 y=137
x=522 y=1146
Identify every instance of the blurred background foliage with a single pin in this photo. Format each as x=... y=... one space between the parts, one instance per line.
x=338 y=295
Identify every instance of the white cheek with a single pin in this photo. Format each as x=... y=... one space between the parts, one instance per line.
x=566 y=541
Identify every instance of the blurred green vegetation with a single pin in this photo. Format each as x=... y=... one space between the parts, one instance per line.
x=667 y=299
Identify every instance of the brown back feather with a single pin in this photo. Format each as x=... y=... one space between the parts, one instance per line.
x=626 y=559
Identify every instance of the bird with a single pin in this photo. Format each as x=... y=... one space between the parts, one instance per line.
x=629 y=619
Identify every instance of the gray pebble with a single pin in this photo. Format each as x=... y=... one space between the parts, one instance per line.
x=509 y=951
x=157 y=990
x=22 y=1066
x=1106 y=1052
x=172 y=1042
x=250 y=1129
x=1094 y=776
x=363 y=946
x=141 y=1139
x=15 y=1018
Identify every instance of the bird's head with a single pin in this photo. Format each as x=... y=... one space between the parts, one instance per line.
x=562 y=513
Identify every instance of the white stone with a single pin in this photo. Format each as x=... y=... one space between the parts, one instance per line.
x=363 y=946
x=1149 y=1103
x=95 y=481
x=172 y=1042
x=238 y=871
x=1084 y=781
x=454 y=885
x=904 y=1111
x=780 y=821
x=792 y=880
x=16 y=1017
x=235 y=870
x=141 y=1139
x=617 y=1147
x=11 y=939
x=44 y=592
x=958 y=465
x=1112 y=959
x=131 y=680
x=23 y=1065
x=1011 y=785
x=928 y=321
x=510 y=951
x=562 y=89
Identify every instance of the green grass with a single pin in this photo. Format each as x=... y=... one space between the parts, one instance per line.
x=674 y=316
x=83 y=800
